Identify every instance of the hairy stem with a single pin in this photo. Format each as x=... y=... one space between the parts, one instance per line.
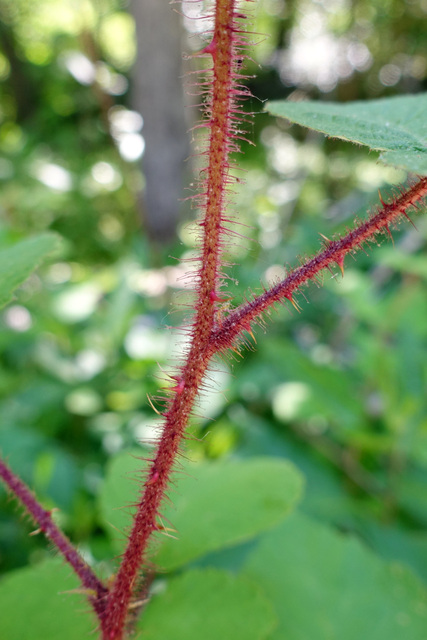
x=221 y=107
x=114 y=606
x=240 y=319
x=44 y=520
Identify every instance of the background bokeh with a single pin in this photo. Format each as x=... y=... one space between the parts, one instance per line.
x=340 y=389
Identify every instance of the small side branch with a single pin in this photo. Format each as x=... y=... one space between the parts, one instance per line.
x=332 y=255
x=43 y=518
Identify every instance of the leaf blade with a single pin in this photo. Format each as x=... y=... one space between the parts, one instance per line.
x=35 y=604
x=208 y=604
x=216 y=505
x=395 y=126
x=18 y=261
x=350 y=593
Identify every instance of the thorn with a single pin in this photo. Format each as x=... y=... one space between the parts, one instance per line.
x=153 y=478
x=84 y=592
x=179 y=387
x=152 y=406
x=381 y=199
x=340 y=263
x=210 y=48
x=161 y=527
x=293 y=303
x=214 y=297
x=138 y=603
x=324 y=237
x=236 y=351
x=409 y=219
x=36 y=532
x=249 y=330
x=387 y=228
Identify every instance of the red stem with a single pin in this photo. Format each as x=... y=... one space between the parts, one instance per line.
x=334 y=252
x=208 y=338
x=46 y=524
x=221 y=106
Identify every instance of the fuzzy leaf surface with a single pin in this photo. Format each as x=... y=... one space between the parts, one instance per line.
x=209 y=604
x=395 y=126
x=35 y=606
x=328 y=587
x=215 y=505
x=18 y=261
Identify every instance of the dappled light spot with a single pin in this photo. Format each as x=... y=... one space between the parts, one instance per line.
x=316 y=56
x=59 y=273
x=53 y=176
x=80 y=67
x=89 y=363
x=111 y=228
x=77 y=303
x=147 y=432
x=288 y=398
x=106 y=175
x=389 y=75
x=125 y=125
x=116 y=84
x=152 y=282
x=274 y=273
x=124 y=120
x=18 y=318
x=131 y=146
x=144 y=342
x=84 y=401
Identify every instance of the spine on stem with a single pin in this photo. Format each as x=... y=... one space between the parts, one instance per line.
x=222 y=115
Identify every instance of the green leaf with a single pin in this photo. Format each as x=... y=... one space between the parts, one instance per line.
x=396 y=126
x=215 y=505
x=208 y=604
x=35 y=605
x=328 y=587
x=20 y=260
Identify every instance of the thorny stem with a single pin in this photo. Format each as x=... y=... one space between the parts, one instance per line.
x=240 y=319
x=222 y=92
x=43 y=518
x=176 y=417
x=208 y=337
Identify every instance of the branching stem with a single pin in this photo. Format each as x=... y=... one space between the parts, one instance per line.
x=222 y=50
x=208 y=337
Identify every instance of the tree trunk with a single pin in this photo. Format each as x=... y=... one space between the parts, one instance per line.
x=158 y=95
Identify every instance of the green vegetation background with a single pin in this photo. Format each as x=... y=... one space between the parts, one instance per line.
x=339 y=389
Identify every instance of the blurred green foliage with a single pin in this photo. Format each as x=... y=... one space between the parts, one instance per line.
x=340 y=389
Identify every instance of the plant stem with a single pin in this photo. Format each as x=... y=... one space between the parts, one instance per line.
x=221 y=109
x=333 y=254
x=46 y=524
x=208 y=337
